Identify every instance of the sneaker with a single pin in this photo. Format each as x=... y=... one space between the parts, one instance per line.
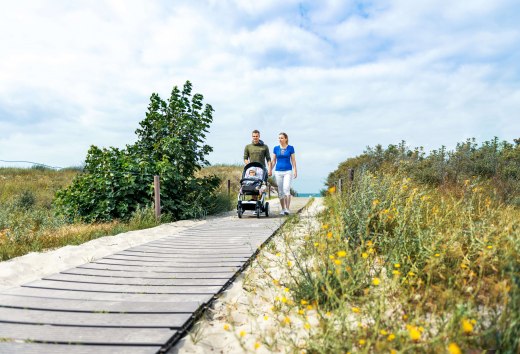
x=282 y=212
x=286 y=212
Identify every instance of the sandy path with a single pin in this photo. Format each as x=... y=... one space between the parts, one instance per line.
x=251 y=315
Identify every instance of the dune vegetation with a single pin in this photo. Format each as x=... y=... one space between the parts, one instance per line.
x=406 y=263
x=28 y=222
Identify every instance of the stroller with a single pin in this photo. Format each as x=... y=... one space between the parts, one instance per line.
x=252 y=190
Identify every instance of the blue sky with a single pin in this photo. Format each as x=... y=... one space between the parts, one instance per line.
x=336 y=76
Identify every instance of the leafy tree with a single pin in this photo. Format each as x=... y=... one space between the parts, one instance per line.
x=170 y=143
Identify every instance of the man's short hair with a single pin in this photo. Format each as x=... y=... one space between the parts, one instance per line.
x=255 y=132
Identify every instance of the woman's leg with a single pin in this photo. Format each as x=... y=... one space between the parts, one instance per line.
x=287 y=178
x=279 y=181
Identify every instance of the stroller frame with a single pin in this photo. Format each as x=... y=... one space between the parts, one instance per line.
x=245 y=200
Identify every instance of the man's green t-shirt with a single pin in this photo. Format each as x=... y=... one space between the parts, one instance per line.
x=257 y=153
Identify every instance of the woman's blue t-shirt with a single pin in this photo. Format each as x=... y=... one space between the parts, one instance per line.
x=283 y=157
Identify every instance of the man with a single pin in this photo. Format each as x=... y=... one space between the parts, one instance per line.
x=257 y=151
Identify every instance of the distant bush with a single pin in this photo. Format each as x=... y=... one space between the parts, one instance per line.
x=170 y=143
x=25 y=200
x=494 y=160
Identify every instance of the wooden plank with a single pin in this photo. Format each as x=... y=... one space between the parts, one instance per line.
x=146 y=249
x=127 y=289
x=89 y=295
x=90 y=335
x=152 y=255
x=48 y=348
x=92 y=279
x=149 y=275
x=172 y=270
x=93 y=319
x=57 y=304
x=170 y=263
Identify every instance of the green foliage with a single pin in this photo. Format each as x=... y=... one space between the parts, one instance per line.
x=26 y=200
x=494 y=160
x=170 y=143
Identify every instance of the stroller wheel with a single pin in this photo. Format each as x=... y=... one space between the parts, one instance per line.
x=240 y=212
x=267 y=209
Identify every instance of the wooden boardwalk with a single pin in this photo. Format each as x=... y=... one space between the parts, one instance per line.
x=140 y=300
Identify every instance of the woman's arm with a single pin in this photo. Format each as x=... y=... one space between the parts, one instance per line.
x=272 y=164
x=293 y=163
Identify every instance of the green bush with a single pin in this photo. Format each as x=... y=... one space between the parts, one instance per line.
x=170 y=143
x=495 y=160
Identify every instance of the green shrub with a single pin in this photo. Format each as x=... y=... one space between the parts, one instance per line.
x=170 y=143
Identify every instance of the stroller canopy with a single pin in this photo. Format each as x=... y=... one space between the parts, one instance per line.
x=260 y=172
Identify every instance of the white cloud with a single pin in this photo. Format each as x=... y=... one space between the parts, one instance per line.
x=336 y=76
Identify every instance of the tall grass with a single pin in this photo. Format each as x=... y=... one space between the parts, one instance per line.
x=405 y=267
x=28 y=222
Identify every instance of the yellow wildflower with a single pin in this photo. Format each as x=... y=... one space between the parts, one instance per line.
x=301 y=312
x=489 y=247
x=356 y=310
x=375 y=202
x=303 y=302
x=341 y=254
x=397 y=265
x=284 y=299
x=309 y=307
x=316 y=244
x=329 y=234
x=226 y=327
x=266 y=318
x=278 y=254
x=289 y=263
x=286 y=290
x=376 y=281
x=411 y=273
x=396 y=272
x=453 y=348
x=467 y=326
x=242 y=333
x=332 y=189
x=307 y=325
x=414 y=333
x=337 y=262
x=370 y=243
x=364 y=255
x=362 y=342
x=383 y=332
x=437 y=255
x=286 y=320
x=390 y=337
x=257 y=345
x=331 y=256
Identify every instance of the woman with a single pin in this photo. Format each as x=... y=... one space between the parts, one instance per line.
x=285 y=170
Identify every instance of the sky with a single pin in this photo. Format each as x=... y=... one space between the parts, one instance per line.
x=336 y=76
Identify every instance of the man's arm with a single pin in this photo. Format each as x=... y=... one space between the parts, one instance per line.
x=246 y=155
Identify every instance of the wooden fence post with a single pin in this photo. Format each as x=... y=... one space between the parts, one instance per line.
x=157 y=189
x=228 y=187
x=351 y=174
